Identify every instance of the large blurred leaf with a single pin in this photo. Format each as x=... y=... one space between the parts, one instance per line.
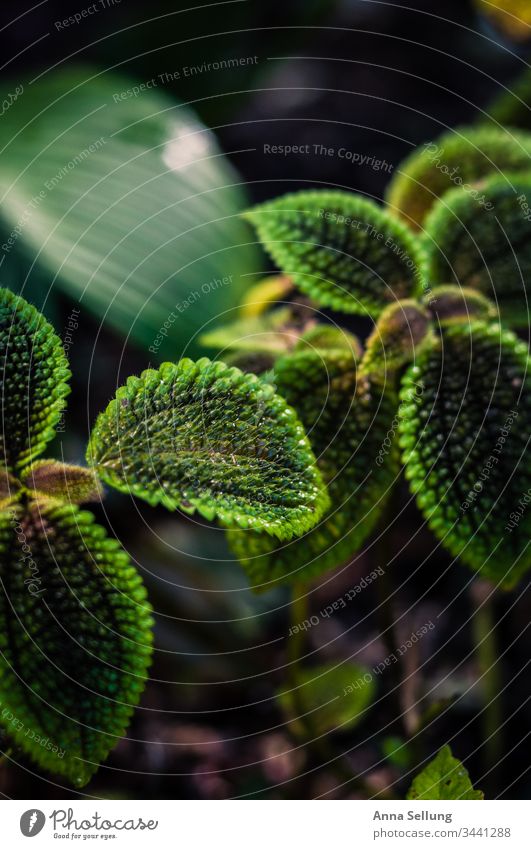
x=75 y=637
x=33 y=381
x=466 y=446
x=335 y=698
x=126 y=197
x=206 y=437
x=444 y=778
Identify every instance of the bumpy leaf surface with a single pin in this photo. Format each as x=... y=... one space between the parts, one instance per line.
x=487 y=247
x=458 y=159
x=335 y=698
x=75 y=637
x=342 y=250
x=444 y=778
x=347 y=419
x=33 y=381
x=465 y=446
x=203 y=436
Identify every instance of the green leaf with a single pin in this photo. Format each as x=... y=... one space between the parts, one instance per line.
x=459 y=159
x=265 y=294
x=512 y=108
x=34 y=375
x=125 y=203
x=465 y=442
x=485 y=247
x=72 y=484
x=206 y=437
x=451 y=304
x=348 y=418
x=444 y=779
x=75 y=637
x=342 y=250
x=335 y=698
x=398 y=336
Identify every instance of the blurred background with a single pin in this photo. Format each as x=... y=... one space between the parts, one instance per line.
x=356 y=85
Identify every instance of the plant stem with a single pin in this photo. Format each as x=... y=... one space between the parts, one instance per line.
x=313 y=738
x=483 y=630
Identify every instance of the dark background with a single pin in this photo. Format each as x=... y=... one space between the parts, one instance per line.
x=377 y=78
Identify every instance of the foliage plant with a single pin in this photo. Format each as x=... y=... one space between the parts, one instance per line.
x=295 y=443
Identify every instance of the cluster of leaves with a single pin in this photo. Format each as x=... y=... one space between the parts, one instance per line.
x=296 y=454
x=75 y=624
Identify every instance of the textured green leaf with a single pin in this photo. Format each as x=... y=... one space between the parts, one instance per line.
x=34 y=374
x=347 y=418
x=400 y=332
x=451 y=304
x=75 y=637
x=125 y=203
x=335 y=698
x=203 y=436
x=487 y=247
x=341 y=249
x=459 y=159
x=444 y=778
x=72 y=484
x=465 y=443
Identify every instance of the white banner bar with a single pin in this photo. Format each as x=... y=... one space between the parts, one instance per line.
x=266 y=824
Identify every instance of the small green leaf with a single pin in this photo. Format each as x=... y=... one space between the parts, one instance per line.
x=33 y=381
x=335 y=698
x=265 y=294
x=451 y=304
x=270 y=333
x=485 y=247
x=398 y=336
x=349 y=421
x=444 y=778
x=75 y=637
x=342 y=250
x=203 y=436
x=512 y=108
x=465 y=442
x=458 y=159
x=72 y=484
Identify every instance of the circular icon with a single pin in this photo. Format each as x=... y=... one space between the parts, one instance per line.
x=31 y=822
